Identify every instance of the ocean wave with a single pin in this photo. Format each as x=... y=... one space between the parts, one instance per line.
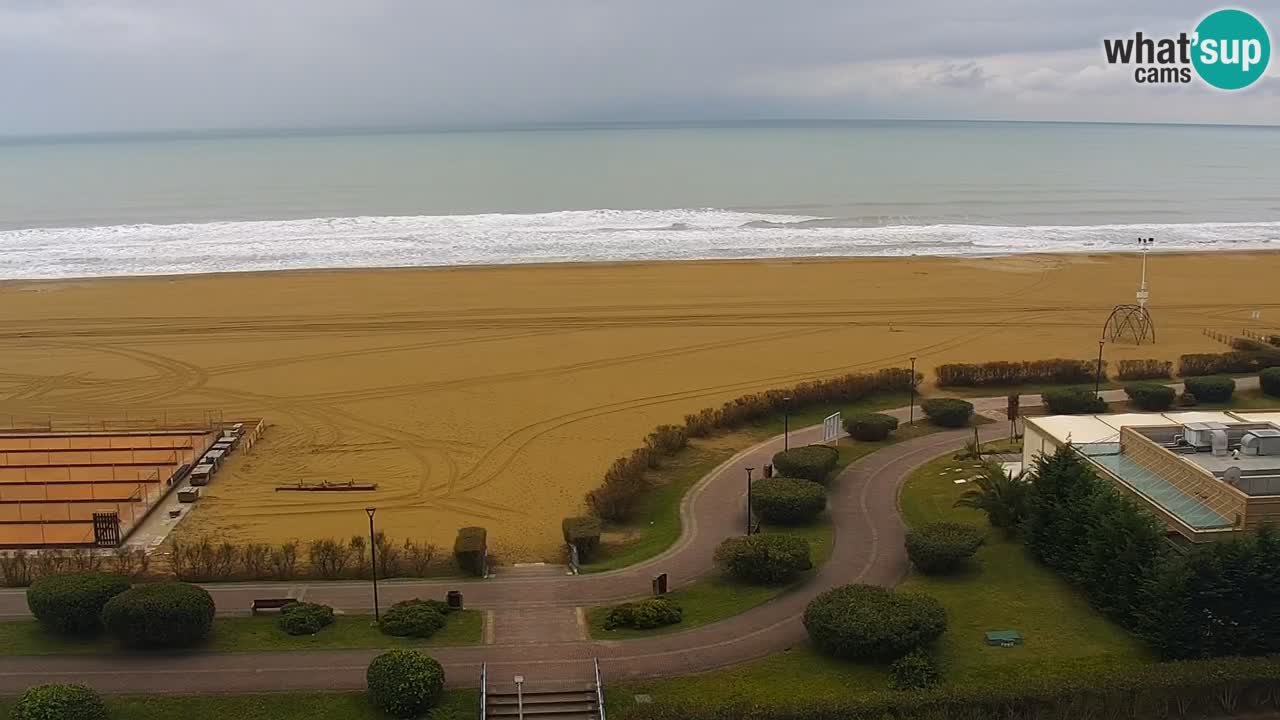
x=565 y=236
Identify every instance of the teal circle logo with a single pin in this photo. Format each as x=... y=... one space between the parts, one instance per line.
x=1232 y=49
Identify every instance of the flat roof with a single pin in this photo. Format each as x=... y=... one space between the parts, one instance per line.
x=1262 y=417
x=1182 y=418
x=1136 y=420
x=1081 y=429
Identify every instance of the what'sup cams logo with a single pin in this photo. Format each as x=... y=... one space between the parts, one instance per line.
x=1229 y=49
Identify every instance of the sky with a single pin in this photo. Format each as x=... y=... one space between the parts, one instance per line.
x=106 y=66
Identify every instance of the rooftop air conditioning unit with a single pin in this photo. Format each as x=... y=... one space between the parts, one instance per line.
x=1261 y=442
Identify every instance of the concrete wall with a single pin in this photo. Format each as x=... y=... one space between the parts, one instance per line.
x=1035 y=443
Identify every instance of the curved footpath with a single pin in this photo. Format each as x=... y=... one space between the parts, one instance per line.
x=868 y=547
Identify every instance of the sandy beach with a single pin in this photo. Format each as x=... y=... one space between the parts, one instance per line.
x=496 y=396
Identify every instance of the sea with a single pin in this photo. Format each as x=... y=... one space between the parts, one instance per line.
x=177 y=203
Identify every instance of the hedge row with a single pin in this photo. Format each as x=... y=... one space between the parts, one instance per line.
x=625 y=482
x=1270 y=381
x=1210 y=388
x=1148 y=369
x=870 y=427
x=470 y=550
x=1236 y=361
x=583 y=532
x=1193 y=689
x=203 y=560
x=764 y=558
x=1057 y=371
x=19 y=568
x=1151 y=396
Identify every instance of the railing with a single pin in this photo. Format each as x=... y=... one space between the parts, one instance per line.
x=599 y=689
x=484 y=690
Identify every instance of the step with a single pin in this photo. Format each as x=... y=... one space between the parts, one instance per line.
x=545 y=697
x=543 y=711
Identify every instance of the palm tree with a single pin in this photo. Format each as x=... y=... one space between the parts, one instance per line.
x=1000 y=495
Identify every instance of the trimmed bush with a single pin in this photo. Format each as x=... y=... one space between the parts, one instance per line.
x=644 y=614
x=788 y=501
x=1145 y=370
x=413 y=618
x=1211 y=389
x=59 y=702
x=869 y=622
x=810 y=462
x=947 y=412
x=304 y=618
x=942 y=547
x=1073 y=401
x=1248 y=344
x=72 y=604
x=870 y=427
x=764 y=558
x=582 y=532
x=1270 y=381
x=160 y=615
x=404 y=683
x=470 y=550
x=916 y=670
x=1151 y=396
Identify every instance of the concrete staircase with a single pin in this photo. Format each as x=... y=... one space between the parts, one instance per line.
x=544 y=701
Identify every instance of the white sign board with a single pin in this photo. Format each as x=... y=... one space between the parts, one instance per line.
x=831 y=428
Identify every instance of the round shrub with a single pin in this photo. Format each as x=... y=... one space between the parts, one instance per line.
x=160 y=615
x=1151 y=396
x=644 y=614
x=412 y=618
x=404 y=683
x=942 y=547
x=868 y=622
x=304 y=618
x=1214 y=388
x=870 y=427
x=810 y=462
x=1072 y=401
x=947 y=412
x=764 y=558
x=787 y=501
x=914 y=671
x=72 y=604
x=59 y=702
x=1269 y=379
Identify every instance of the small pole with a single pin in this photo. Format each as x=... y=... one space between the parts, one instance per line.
x=1097 y=381
x=749 y=499
x=373 y=564
x=786 y=423
x=911 y=413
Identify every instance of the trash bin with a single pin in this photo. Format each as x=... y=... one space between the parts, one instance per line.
x=660 y=584
x=454 y=599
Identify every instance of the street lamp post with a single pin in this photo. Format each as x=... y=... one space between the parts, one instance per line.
x=1097 y=380
x=786 y=423
x=373 y=563
x=911 y=413
x=749 y=499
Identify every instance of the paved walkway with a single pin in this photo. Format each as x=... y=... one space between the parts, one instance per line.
x=533 y=621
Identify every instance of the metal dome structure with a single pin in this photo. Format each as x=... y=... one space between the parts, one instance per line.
x=1129 y=324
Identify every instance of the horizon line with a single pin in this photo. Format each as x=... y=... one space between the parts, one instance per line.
x=320 y=130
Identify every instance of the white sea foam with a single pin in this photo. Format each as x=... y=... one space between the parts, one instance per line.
x=566 y=236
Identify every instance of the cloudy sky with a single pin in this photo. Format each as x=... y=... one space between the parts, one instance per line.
x=73 y=66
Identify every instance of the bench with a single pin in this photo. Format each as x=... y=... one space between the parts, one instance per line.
x=270 y=605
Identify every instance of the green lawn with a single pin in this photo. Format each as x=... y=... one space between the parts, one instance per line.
x=1006 y=589
x=455 y=705
x=657 y=524
x=252 y=634
x=1028 y=389
x=716 y=597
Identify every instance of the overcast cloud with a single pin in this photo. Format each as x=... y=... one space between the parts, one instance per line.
x=129 y=65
